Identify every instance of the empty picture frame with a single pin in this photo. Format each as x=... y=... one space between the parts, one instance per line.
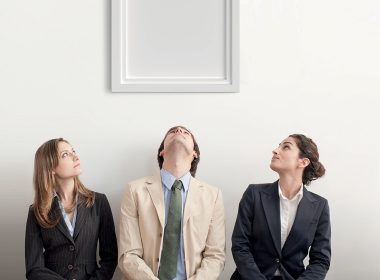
x=175 y=46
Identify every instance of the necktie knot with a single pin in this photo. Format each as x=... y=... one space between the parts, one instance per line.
x=177 y=185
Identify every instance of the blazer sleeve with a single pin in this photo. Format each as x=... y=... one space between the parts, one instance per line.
x=320 y=250
x=241 y=238
x=215 y=249
x=107 y=242
x=131 y=263
x=34 y=257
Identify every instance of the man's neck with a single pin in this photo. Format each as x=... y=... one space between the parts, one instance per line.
x=177 y=167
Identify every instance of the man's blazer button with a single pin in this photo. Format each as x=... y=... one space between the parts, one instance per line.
x=71 y=248
x=70 y=267
x=277 y=260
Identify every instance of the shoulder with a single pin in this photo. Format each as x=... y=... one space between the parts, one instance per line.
x=144 y=180
x=313 y=196
x=31 y=211
x=138 y=184
x=255 y=191
x=265 y=187
x=100 y=199
x=206 y=187
x=101 y=204
x=99 y=196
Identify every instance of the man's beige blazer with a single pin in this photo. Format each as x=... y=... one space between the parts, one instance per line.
x=141 y=228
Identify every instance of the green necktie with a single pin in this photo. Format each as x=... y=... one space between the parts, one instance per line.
x=172 y=233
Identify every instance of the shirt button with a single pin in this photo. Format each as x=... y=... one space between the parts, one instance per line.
x=160 y=234
x=158 y=259
x=277 y=261
x=71 y=249
x=70 y=267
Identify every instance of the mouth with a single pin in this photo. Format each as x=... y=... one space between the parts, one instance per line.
x=274 y=158
x=76 y=165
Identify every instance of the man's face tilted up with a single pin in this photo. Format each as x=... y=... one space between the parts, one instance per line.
x=179 y=140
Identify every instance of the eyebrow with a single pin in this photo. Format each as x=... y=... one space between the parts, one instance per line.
x=286 y=143
x=72 y=149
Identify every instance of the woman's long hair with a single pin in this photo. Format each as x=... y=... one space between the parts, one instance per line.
x=45 y=161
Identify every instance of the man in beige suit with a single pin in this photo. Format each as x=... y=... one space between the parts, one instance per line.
x=172 y=225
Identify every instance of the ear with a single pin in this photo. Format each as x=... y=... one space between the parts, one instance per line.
x=161 y=153
x=304 y=162
x=53 y=172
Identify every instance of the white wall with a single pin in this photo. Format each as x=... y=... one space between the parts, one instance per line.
x=306 y=66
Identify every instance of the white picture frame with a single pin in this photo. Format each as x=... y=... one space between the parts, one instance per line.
x=175 y=46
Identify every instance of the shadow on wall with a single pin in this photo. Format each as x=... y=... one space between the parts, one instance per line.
x=107 y=47
x=132 y=167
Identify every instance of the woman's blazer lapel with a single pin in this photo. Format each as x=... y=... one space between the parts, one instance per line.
x=271 y=205
x=61 y=225
x=83 y=214
x=305 y=213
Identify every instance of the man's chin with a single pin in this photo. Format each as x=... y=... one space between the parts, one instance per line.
x=179 y=144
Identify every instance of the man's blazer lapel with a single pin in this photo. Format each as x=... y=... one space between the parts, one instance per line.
x=304 y=216
x=192 y=199
x=154 y=187
x=56 y=214
x=271 y=205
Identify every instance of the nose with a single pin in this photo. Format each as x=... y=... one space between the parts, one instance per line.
x=178 y=130
x=275 y=151
x=74 y=156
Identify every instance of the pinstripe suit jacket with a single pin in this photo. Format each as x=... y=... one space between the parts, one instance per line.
x=53 y=254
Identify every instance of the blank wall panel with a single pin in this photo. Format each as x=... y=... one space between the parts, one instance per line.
x=174 y=46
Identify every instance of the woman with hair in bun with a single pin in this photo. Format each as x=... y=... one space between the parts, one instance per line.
x=67 y=221
x=279 y=224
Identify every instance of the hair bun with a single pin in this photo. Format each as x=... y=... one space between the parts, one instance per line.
x=319 y=169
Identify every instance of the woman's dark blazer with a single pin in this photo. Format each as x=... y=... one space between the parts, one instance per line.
x=52 y=254
x=256 y=239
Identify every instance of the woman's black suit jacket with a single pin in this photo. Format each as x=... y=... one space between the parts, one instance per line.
x=52 y=254
x=256 y=239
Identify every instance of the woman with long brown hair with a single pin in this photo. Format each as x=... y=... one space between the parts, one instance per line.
x=280 y=223
x=67 y=221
